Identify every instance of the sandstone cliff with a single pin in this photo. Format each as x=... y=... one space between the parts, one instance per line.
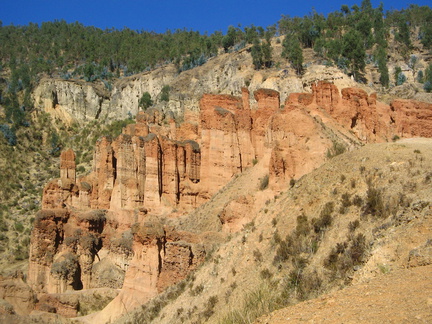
x=120 y=225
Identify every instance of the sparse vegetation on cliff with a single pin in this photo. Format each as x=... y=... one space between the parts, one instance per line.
x=278 y=233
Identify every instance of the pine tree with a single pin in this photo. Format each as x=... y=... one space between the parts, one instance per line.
x=428 y=79
x=293 y=52
x=229 y=39
x=353 y=50
x=381 y=57
x=165 y=93
x=267 y=50
x=145 y=101
x=257 y=55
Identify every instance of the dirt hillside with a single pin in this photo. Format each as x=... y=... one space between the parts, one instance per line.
x=402 y=296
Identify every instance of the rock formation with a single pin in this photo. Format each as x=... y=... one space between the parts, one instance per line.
x=110 y=229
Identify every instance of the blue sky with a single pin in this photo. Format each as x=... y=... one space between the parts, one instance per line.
x=160 y=15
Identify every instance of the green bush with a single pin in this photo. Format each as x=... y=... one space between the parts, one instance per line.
x=374 y=204
x=19 y=227
x=165 y=93
x=345 y=256
x=336 y=149
x=145 y=101
x=197 y=290
x=321 y=223
x=264 y=182
x=210 y=305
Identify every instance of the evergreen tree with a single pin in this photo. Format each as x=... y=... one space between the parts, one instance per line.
x=267 y=50
x=293 y=52
x=403 y=34
x=165 y=93
x=354 y=51
x=366 y=6
x=250 y=34
x=426 y=34
x=396 y=73
x=428 y=79
x=420 y=76
x=257 y=55
x=381 y=57
x=229 y=38
x=145 y=101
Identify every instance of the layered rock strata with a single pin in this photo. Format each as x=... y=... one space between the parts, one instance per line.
x=107 y=229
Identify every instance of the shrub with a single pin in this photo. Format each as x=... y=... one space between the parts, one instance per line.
x=353 y=225
x=325 y=218
x=249 y=226
x=257 y=255
x=266 y=274
x=20 y=253
x=124 y=243
x=165 y=93
x=302 y=228
x=260 y=301
x=209 y=310
x=233 y=271
x=374 y=202
x=401 y=78
x=65 y=267
x=420 y=76
x=9 y=134
x=335 y=150
x=3 y=225
x=345 y=256
x=346 y=202
x=145 y=101
x=198 y=290
x=264 y=182
x=276 y=237
x=301 y=284
x=19 y=227
x=93 y=304
x=428 y=79
x=284 y=251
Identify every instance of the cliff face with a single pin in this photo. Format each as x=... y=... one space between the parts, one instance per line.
x=110 y=228
x=76 y=100
x=72 y=100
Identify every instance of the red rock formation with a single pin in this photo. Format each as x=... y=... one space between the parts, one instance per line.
x=326 y=95
x=267 y=99
x=412 y=118
x=298 y=145
x=85 y=235
x=59 y=192
x=67 y=166
x=299 y=99
x=268 y=103
x=355 y=110
x=225 y=140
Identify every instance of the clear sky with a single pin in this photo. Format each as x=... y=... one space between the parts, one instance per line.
x=160 y=15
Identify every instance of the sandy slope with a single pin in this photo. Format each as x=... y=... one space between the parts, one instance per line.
x=402 y=296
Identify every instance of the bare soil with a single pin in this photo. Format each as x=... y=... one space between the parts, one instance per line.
x=402 y=296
